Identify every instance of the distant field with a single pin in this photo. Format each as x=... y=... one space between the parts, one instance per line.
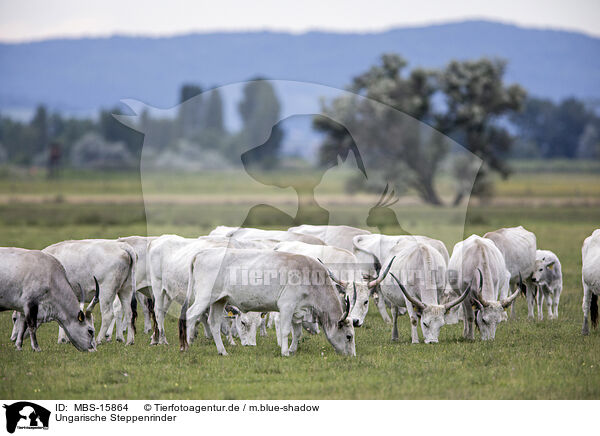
x=537 y=360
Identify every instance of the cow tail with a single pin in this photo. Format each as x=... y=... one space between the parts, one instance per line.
x=594 y=310
x=133 y=259
x=134 y=313
x=183 y=342
x=150 y=306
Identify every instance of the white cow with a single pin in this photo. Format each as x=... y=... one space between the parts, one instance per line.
x=243 y=233
x=343 y=265
x=419 y=273
x=548 y=278
x=518 y=246
x=36 y=285
x=477 y=263
x=265 y=281
x=336 y=236
x=372 y=250
x=113 y=264
x=590 y=277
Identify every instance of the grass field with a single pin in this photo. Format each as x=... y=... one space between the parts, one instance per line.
x=537 y=360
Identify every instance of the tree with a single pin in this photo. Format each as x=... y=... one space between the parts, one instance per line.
x=190 y=110
x=259 y=110
x=476 y=99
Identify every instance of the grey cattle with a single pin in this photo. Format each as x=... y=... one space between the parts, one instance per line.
x=336 y=236
x=372 y=250
x=265 y=281
x=113 y=263
x=35 y=284
x=477 y=263
x=590 y=277
x=518 y=246
x=247 y=233
x=547 y=276
x=419 y=273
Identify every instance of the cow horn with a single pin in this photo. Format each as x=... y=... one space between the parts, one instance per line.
x=96 y=296
x=382 y=275
x=508 y=301
x=354 y=296
x=342 y=283
x=413 y=300
x=478 y=292
x=346 y=311
x=459 y=300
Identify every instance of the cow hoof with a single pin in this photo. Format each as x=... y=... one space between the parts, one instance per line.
x=37 y=349
x=129 y=342
x=147 y=331
x=223 y=353
x=584 y=332
x=120 y=339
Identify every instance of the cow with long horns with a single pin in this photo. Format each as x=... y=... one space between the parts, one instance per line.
x=419 y=280
x=477 y=264
x=265 y=281
x=35 y=284
x=344 y=272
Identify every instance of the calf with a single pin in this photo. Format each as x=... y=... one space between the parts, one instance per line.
x=547 y=276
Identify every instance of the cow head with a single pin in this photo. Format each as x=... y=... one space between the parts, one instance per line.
x=360 y=292
x=432 y=315
x=546 y=271
x=340 y=333
x=81 y=330
x=490 y=313
x=247 y=325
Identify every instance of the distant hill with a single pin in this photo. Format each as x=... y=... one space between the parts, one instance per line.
x=86 y=74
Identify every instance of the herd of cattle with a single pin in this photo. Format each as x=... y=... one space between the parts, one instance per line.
x=239 y=281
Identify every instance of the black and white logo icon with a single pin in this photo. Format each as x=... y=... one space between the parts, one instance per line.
x=26 y=415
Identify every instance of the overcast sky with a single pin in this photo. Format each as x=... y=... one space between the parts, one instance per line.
x=25 y=20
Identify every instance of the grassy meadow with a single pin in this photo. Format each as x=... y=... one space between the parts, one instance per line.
x=528 y=359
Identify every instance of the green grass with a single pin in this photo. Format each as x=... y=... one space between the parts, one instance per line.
x=546 y=359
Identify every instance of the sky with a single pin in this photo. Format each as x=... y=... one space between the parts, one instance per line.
x=27 y=20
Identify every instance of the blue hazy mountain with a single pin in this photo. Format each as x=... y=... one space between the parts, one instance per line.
x=89 y=73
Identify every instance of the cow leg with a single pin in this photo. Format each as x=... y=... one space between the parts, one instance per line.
x=587 y=300
x=31 y=312
x=555 y=301
x=263 y=326
x=549 y=300
x=296 y=334
x=540 y=304
x=16 y=325
x=62 y=336
x=469 y=318
x=380 y=303
x=215 y=318
x=125 y=297
x=277 y=327
x=414 y=332
x=106 y=311
x=530 y=300
x=285 y=327
x=143 y=303
x=230 y=332
x=21 y=327
x=394 y=323
x=511 y=288
x=162 y=306
x=205 y=326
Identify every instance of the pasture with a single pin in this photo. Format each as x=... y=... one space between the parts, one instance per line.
x=528 y=359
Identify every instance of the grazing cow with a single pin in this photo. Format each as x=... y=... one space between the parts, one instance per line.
x=344 y=263
x=590 y=277
x=547 y=275
x=372 y=250
x=518 y=246
x=35 y=284
x=477 y=263
x=260 y=281
x=244 y=233
x=336 y=236
x=169 y=259
x=422 y=272
x=113 y=264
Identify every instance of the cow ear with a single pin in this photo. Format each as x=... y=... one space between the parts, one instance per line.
x=550 y=266
x=80 y=316
x=88 y=314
